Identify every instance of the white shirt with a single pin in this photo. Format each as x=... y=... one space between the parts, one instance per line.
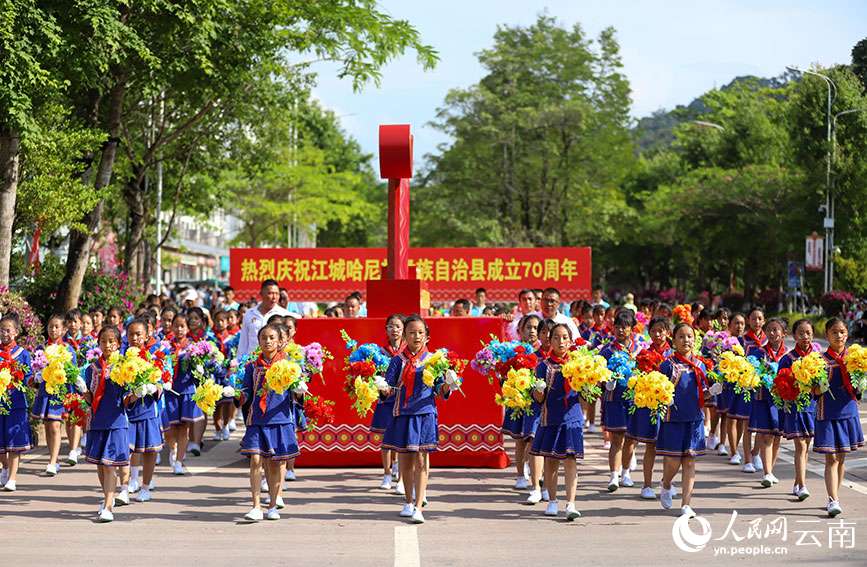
x=512 y=333
x=253 y=321
x=566 y=320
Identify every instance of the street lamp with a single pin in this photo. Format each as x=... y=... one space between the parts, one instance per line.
x=706 y=124
x=828 y=221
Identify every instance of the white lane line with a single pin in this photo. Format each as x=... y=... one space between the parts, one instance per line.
x=406 y=552
x=786 y=455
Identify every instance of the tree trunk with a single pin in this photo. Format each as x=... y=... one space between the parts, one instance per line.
x=80 y=243
x=9 y=170
x=134 y=196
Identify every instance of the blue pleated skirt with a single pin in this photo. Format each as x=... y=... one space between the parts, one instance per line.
x=614 y=415
x=108 y=447
x=382 y=415
x=559 y=441
x=799 y=423
x=740 y=408
x=724 y=399
x=275 y=442
x=146 y=436
x=640 y=428
x=838 y=435
x=512 y=427
x=15 y=432
x=681 y=438
x=46 y=407
x=765 y=417
x=532 y=421
x=180 y=408
x=412 y=433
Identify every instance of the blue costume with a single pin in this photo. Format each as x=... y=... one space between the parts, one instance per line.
x=738 y=407
x=681 y=433
x=14 y=422
x=532 y=420
x=765 y=416
x=838 y=422
x=108 y=434
x=561 y=429
x=639 y=427
x=797 y=423
x=180 y=407
x=270 y=431
x=413 y=427
x=384 y=410
x=726 y=399
x=145 y=427
x=45 y=406
x=615 y=410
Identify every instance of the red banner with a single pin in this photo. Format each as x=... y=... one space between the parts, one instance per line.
x=330 y=274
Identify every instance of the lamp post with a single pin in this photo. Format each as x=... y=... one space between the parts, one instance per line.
x=828 y=221
x=705 y=124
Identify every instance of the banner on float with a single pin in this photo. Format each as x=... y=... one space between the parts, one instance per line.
x=329 y=274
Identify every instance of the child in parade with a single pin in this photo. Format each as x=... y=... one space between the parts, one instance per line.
x=270 y=439
x=114 y=318
x=639 y=429
x=288 y=329
x=560 y=436
x=167 y=315
x=530 y=328
x=223 y=412
x=382 y=414
x=681 y=433
x=48 y=408
x=145 y=432
x=198 y=331
x=181 y=411
x=97 y=316
x=734 y=426
x=741 y=409
x=413 y=431
x=108 y=436
x=838 y=421
x=15 y=436
x=765 y=416
x=799 y=426
x=87 y=325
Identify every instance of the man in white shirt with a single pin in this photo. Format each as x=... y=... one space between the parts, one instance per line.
x=551 y=310
x=526 y=306
x=257 y=317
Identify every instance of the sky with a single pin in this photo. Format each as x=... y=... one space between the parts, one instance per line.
x=673 y=51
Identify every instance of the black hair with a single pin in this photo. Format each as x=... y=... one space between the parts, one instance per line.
x=96 y=310
x=137 y=321
x=109 y=329
x=557 y=325
x=551 y=290
x=275 y=320
x=624 y=318
x=829 y=324
x=117 y=310
x=481 y=290
x=703 y=314
x=268 y=283
x=180 y=316
x=780 y=321
x=679 y=326
x=660 y=321
x=546 y=326
x=524 y=292
x=722 y=312
x=53 y=316
x=71 y=315
x=800 y=322
x=754 y=309
x=271 y=326
x=12 y=316
x=465 y=303
x=168 y=309
x=525 y=319
x=197 y=311
x=598 y=309
x=664 y=306
x=415 y=318
x=228 y=288
x=736 y=314
x=394 y=316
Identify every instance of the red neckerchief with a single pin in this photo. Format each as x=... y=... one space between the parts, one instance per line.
x=760 y=340
x=58 y=341
x=395 y=351
x=265 y=365
x=177 y=347
x=660 y=349
x=802 y=353
x=775 y=356
x=71 y=341
x=95 y=334
x=407 y=376
x=100 y=387
x=699 y=375
x=234 y=329
x=197 y=335
x=7 y=349
x=600 y=327
x=150 y=344
x=844 y=372
x=629 y=348
x=561 y=360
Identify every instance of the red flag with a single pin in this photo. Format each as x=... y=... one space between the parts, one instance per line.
x=33 y=258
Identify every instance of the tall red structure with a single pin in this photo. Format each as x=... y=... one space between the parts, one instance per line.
x=469 y=426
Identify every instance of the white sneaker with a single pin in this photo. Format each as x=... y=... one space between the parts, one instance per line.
x=592 y=428
x=399 y=489
x=572 y=513
x=552 y=509
x=774 y=479
x=105 y=516
x=395 y=471
x=83 y=443
x=407 y=511
x=178 y=468
x=232 y=425
x=803 y=493
x=254 y=515
x=263 y=484
x=144 y=495
x=795 y=489
x=522 y=483
x=766 y=481
x=687 y=511
x=9 y=486
x=749 y=468
x=173 y=457
x=834 y=508
x=535 y=497
x=633 y=464
x=122 y=498
x=614 y=482
x=545 y=497
x=290 y=475
x=226 y=433
x=4 y=476
x=72 y=458
x=666 y=498
x=153 y=484
x=711 y=442
x=386 y=482
x=194 y=449
x=51 y=470
x=527 y=471
x=279 y=504
x=673 y=490
x=626 y=480
x=134 y=485
x=417 y=516
x=722 y=451
x=159 y=458
x=735 y=459
x=757 y=462
x=272 y=514
x=647 y=493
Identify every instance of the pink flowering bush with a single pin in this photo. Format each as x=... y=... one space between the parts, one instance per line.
x=31 y=326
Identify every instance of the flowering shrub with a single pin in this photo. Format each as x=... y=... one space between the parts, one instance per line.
x=31 y=326
x=105 y=290
x=835 y=302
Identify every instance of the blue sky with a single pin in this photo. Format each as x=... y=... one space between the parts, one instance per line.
x=672 y=51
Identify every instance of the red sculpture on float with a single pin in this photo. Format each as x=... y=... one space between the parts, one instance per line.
x=469 y=426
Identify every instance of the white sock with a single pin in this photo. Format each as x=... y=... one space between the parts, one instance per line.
x=134 y=474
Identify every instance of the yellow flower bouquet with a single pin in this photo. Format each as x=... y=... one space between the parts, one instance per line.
x=206 y=396
x=516 y=390
x=585 y=370
x=737 y=371
x=652 y=390
x=856 y=364
x=285 y=374
x=811 y=372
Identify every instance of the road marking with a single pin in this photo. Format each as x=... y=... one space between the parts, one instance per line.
x=787 y=455
x=406 y=552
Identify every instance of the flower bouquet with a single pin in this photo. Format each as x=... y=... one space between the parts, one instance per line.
x=318 y=411
x=75 y=408
x=737 y=371
x=682 y=314
x=810 y=372
x=649 y=360
x=444 y=367
x=787 y=394
x=651 y=390
x=285 y=374
x=765 y=369
x=54 y=364
x=622 y=366
x=11 y=378
x=206 y=396
x=715 y=343
x=204 y=356
x=516 y=392
x=364 y=365
x=641 y=322
x=856 y=364
x=139 y=374
x=585 y=370
x=314 y=357
x=497 y=357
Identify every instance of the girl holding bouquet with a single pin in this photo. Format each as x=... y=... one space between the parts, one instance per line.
x=270 y=438
x=49 y=409
x=799 y=425
x=614 y=407
x=181 y=411
x=681 y=433
x=560 y=436
x=15 y=439
x=198 y=331
x=145 y=433
x=838 y=421
x=765 y=417
x=108 y=436
x=413 y=430
x=741 y=409
x=382 y=414
x=532 y=329
x=734 y=426
x=640 y=429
